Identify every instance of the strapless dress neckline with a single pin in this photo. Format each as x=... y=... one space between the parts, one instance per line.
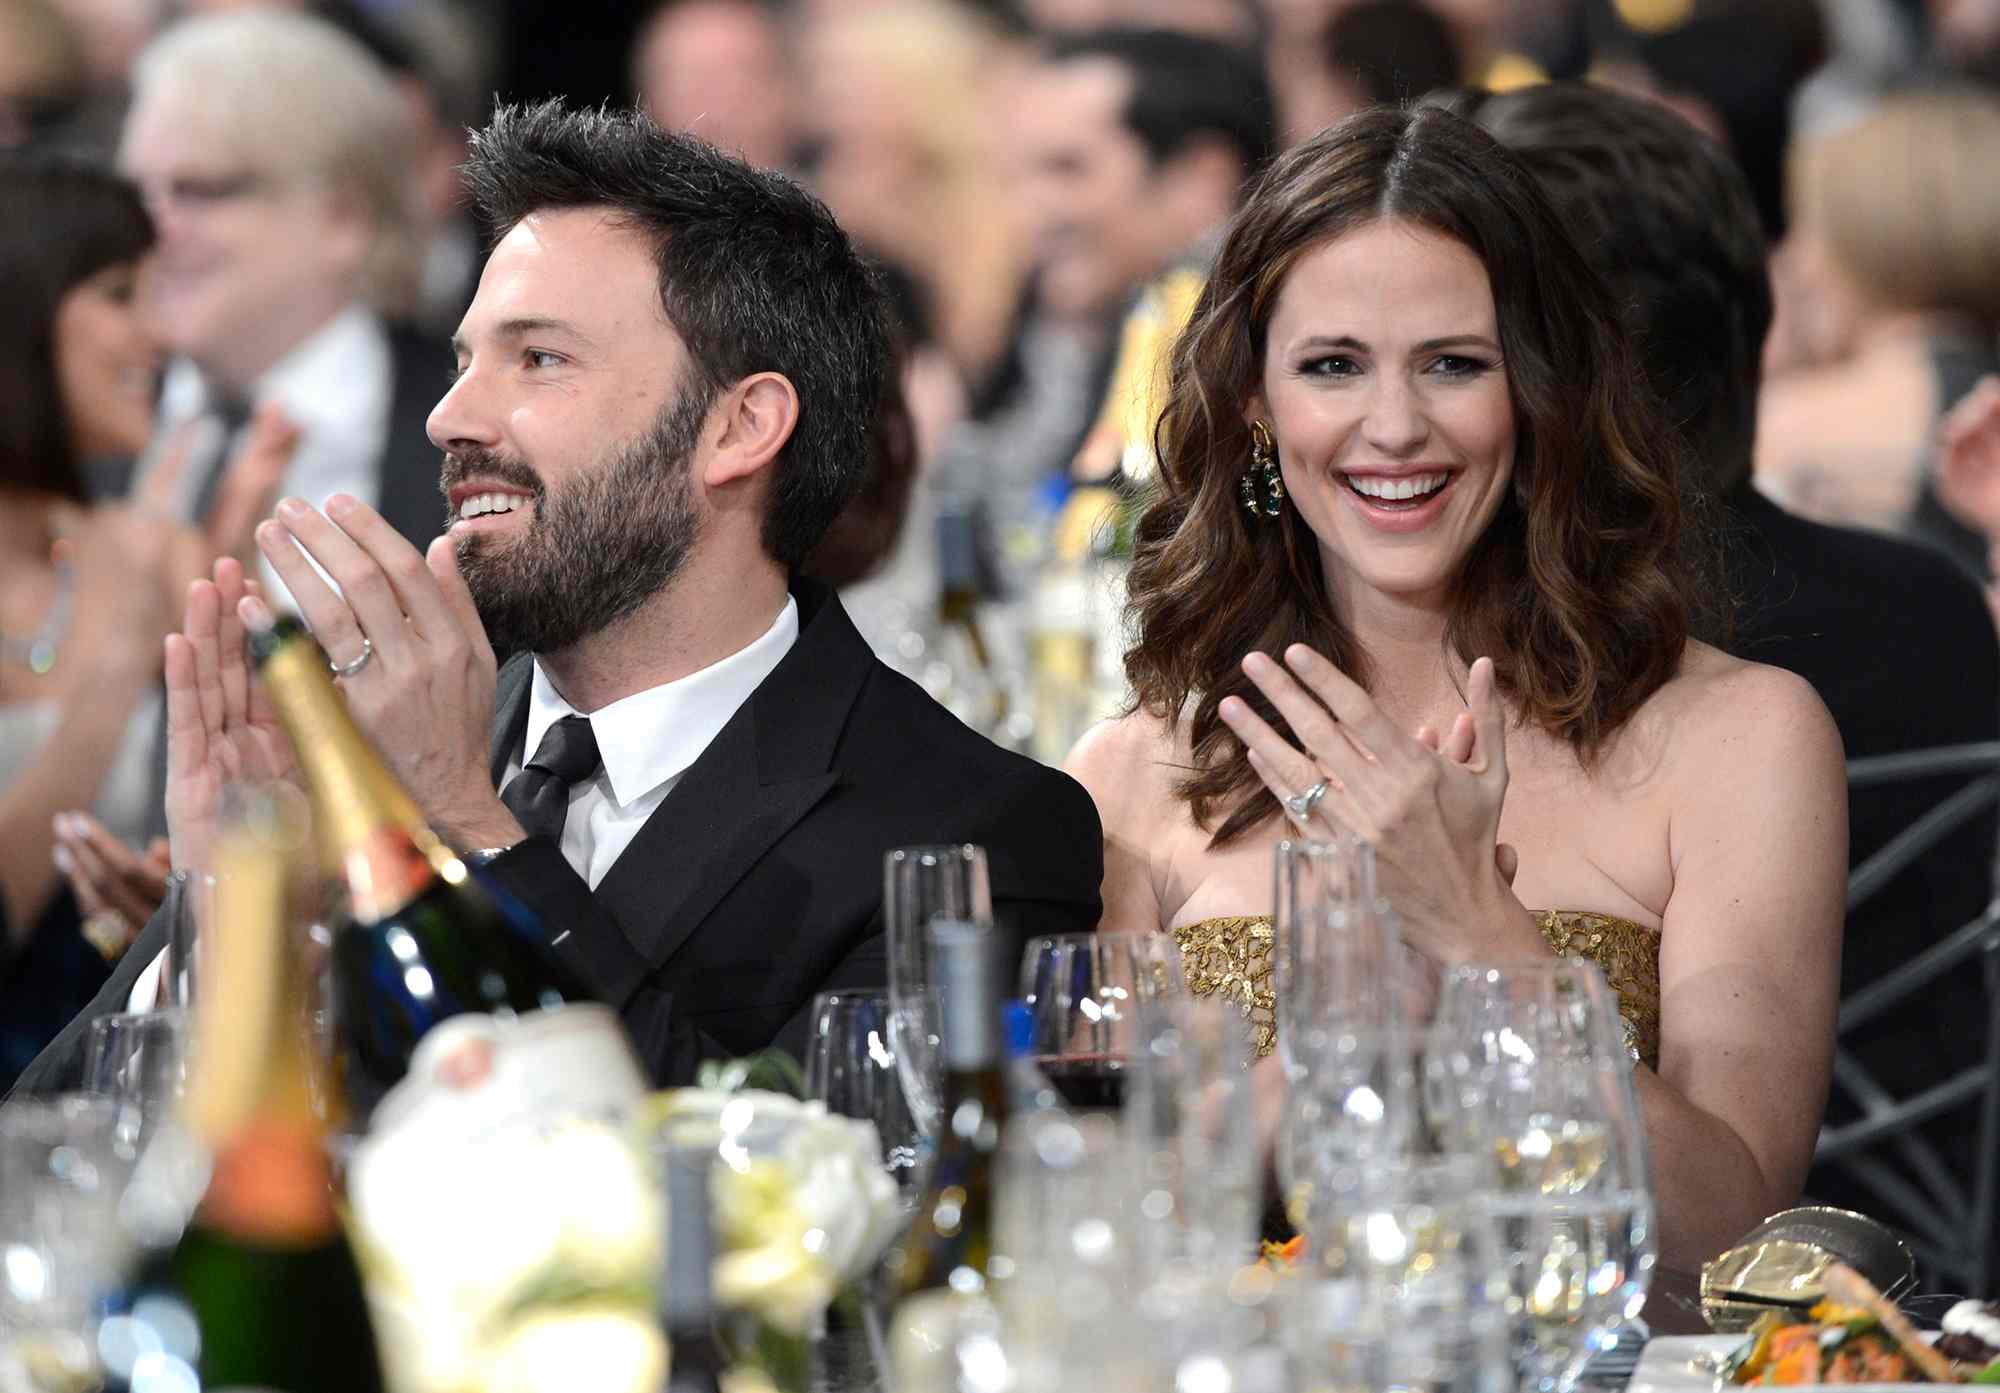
x=1230 y=957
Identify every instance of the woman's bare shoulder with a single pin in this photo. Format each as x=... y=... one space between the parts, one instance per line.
x=1130 y=764
x=1724 y=712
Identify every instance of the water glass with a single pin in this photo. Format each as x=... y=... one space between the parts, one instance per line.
x=1086 y=994
x=1404 y=1287
x=919 y=884
x=850 y=1066
x=1527 y=1075
x=138 y=1060
x=190 y=905
x=65 y=1164
x=1342 y=1036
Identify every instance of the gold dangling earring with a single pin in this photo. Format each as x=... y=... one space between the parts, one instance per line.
x=1263 y=461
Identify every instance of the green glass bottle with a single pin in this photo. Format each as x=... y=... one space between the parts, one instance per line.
x=261 y=1291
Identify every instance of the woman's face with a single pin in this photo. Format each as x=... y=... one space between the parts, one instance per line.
x=1385 y=390
x=107 y=362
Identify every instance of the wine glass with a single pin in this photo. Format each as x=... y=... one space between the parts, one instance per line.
x=851 y=1067
x=919 y=884
x=1086 y=994
x=1527 y=1073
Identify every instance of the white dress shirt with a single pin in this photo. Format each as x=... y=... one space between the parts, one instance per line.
x=336 y=387
x=647 y=741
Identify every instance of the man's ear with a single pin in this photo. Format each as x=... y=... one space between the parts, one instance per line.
x=754 y=420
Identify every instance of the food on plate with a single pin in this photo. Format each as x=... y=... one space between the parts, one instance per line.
x=1971 y=1333
x=1856 y=1336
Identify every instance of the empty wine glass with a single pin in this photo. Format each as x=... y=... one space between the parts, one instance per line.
x=1528 y=1075
x=919 y=884
x=850 y=1066
x=1086 y=993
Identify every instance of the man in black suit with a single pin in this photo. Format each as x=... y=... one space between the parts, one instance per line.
x=1896 y=640
x=665 y=390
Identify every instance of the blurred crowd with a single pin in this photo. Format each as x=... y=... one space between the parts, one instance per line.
x=260 y=302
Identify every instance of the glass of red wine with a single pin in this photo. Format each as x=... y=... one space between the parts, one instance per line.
x=1087 y=994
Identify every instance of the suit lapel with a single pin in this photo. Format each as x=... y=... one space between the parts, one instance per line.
x=766 y=770
x=510 y=713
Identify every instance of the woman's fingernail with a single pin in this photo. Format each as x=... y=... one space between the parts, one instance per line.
x=64 y=861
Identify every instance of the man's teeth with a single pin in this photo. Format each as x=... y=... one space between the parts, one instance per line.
x=1397 y=490
x=482 y=503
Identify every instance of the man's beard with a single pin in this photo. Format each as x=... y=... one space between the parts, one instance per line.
x=597 y=547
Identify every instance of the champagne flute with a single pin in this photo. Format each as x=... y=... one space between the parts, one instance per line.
x=1528 y=1075
x=1087 y=994
x=851 y=1066
x=919 y=884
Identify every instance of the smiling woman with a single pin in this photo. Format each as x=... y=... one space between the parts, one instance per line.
x=1454 y=618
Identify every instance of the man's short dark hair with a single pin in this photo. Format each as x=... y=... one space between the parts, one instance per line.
x=755 y=276
x=1669 y=222
x=1184 y=87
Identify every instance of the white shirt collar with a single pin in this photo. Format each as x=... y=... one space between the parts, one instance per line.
x=325 y=380
x=652 y=736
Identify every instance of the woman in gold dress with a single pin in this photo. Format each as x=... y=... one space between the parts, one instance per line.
x=1416 y=565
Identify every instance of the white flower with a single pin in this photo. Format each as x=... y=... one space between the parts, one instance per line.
x=844 y=1196
x=602 y=1350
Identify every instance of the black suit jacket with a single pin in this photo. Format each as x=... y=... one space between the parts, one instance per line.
x=758 y=881
x=1901 y=647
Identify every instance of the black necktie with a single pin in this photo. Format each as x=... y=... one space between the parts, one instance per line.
x=538 y=796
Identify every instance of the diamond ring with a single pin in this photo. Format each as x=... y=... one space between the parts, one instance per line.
x=358 y=662
x=1301 y=805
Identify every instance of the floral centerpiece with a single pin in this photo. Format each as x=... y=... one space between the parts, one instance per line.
x=529 y=1260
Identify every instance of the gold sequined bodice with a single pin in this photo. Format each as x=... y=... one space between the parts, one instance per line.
x=1231 y=958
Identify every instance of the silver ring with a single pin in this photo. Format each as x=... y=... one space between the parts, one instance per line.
x=1301 y=805
x=360 y=660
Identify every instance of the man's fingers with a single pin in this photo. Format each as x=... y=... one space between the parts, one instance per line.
x=325 y=613
x=442 y=558
x=233 y=662
x=414 y=584
x=187 y=733
x=201 y=623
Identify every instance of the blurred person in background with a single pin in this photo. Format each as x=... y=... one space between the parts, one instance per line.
x=1891 y=636
x=1968 y=476
x=86 y=591
x=1732 y=67
x=41 y=71
x=1133 y=147
x=717 y=69
x=1894 y=259
x=270 y=149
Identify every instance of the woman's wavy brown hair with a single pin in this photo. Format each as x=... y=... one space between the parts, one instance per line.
x=1580 y=589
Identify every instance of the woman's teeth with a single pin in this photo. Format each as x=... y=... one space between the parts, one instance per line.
x=482 y=503
x=1403 y=490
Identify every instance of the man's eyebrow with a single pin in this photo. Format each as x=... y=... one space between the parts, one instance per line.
x=522 y=326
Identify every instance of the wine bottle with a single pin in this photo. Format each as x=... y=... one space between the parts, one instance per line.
x=687 y=1306
x=422 y=940
x=950 y=1239
x=261 y=1290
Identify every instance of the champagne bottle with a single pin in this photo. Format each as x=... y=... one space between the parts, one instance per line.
x=950 y=1240
x=422 y=941
x=687 y=1306
x=261 y=1291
